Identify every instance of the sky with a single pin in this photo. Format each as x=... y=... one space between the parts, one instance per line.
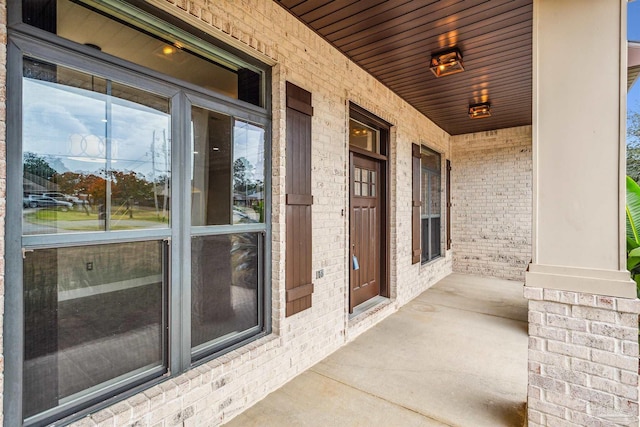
x=633 y=21
x=67 y=126
x=633 y=34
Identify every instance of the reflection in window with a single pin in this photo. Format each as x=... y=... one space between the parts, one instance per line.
x=77 y=22
x=96 y=153
x=363 y=136
x=248 y=173
x=224 y=287
x=228 y=170
x=93 y=315
x=431 y=201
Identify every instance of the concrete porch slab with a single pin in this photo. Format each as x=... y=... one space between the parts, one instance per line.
x=456 y=355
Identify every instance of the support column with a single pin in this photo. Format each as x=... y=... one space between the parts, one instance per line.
x=583 y=310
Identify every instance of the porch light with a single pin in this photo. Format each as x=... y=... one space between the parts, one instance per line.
x=446 y=62
x=479 y=111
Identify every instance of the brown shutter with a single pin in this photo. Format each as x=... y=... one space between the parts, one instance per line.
x=299 y=199
x=448 y=204
x=415 y=205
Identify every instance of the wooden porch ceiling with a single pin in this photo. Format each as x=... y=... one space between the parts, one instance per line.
x=393 y=40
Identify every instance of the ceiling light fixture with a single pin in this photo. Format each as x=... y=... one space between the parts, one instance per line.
x=479 y=111
x=446 y=62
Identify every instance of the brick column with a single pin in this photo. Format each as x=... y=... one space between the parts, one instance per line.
x=583 y=359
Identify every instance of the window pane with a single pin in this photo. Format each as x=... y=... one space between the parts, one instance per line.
x=149 y=47
x=211 y=177
x=224 y=287
x=365 y=189
x=363 y=136
x=435 y=201
x=248 y=173
x=435 y=237
x=424 y=190
x=430 y=159
x=425 y=239
x=93 y=315
x=431 y=204
x=96 y=153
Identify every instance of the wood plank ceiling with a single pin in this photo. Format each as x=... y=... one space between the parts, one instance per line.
x=393 y=40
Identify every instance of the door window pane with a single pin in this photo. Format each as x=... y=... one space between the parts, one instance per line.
x=93 y=316
x=96 y=153
x=224 y=287
x=365 y=190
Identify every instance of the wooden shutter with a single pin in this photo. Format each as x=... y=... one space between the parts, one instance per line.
x=415 y=205
x=448 y=177
x=299 y=200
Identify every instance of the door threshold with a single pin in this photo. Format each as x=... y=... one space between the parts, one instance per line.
x=367 y=305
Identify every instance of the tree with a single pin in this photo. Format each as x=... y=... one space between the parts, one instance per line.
x=69 y=182
x=633 y=146
x=242 y=175
x=96 y=188
x=35 y=165
x=130 y=186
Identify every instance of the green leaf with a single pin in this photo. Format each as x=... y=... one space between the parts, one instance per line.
x=632 y=262
x=633 y=211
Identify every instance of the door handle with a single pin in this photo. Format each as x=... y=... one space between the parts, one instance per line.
x=354 y=258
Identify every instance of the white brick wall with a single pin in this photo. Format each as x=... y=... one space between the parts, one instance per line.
x=583 y=359
x=492 y=200
x=216 y=391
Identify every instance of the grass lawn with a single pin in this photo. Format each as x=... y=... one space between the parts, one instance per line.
x=90 y=221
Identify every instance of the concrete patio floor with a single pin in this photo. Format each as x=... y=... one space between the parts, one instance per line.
x=454 y=356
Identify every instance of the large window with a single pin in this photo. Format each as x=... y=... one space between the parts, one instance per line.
x=430 y=188
x=138 y=205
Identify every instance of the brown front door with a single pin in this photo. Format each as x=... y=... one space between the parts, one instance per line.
x=366 y=229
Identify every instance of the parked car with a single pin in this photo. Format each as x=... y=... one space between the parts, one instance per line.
x=36 y=201
x=65 y=198
x=74 y=200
